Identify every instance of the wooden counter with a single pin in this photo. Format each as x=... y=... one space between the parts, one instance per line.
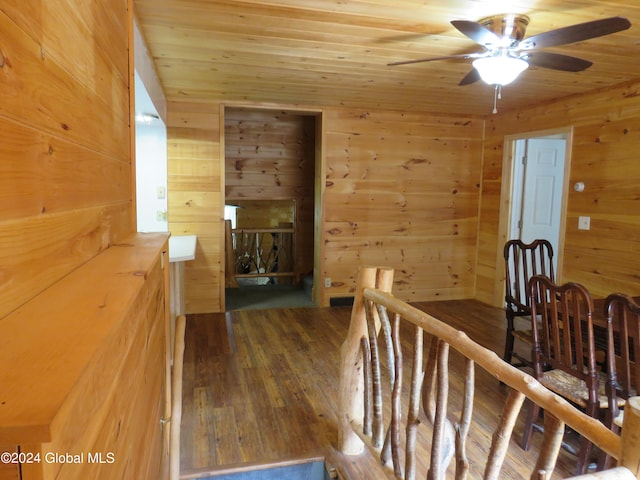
x=84 y=365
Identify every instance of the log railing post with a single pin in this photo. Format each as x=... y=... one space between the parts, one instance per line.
x=230 y=258
x=351 y=396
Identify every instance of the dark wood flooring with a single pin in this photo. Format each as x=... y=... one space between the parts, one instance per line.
x=261 y=387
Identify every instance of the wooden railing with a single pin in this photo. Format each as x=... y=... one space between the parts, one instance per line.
x=261 y=253
x=361 y=396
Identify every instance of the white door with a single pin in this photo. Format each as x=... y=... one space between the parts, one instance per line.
x=537 y=211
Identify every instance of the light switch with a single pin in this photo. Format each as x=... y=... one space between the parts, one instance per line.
x=161 y=192
x=584 y=223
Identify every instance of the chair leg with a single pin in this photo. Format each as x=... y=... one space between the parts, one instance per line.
x=532 y=414
x=605 y=462
x=508 y=347
x=586 y=447
x=584 y=455
x=509 y=340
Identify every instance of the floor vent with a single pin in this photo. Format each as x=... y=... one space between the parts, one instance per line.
x=341 y=301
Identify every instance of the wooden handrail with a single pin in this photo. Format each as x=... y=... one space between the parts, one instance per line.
x=509 y=375
x=373 y=296
x=264 y=230
x=267 y=274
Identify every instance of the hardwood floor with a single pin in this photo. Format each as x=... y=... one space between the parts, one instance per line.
x=261 y=386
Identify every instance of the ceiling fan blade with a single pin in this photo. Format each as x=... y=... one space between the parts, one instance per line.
x=476 y=32
x=431 y=59
x=557 y=61
x=576 y=33
x=472 y=77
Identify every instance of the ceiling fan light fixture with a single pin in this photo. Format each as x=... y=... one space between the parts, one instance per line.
x=499 y=70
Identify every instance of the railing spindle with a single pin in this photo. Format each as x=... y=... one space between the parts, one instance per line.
x=551 y=443
x=414 y=404
x=462 y=428
x=366 y=353
x=429 y=382
x=378 y=424
x=441 y=446
x=502 y=434
x=386 y=454
x=396 y=400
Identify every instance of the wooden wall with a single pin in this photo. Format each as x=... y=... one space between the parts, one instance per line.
x=270 y=155
x=403 y=190
x=264 y=214
x=606 y=139
x=103 y=388
x=195 y=197
x=65 y=163
x=66 y=207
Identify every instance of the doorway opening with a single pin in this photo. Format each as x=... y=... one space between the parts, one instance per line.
x=535 y=175
x=270 y=190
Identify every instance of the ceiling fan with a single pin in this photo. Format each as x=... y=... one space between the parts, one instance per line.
x=506 y=53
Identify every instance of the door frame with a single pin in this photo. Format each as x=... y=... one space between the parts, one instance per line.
x=506 y=203
x=318 y=294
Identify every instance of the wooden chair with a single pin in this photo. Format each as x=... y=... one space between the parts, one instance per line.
x=522 y=261
x=563 y=353
x=623 y=341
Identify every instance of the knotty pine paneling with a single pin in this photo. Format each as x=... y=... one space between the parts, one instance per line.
x=66 y=190
x=65 y=169
x=40 y=91
x=38 y=250
x=196 y=199
x=334 y=54
x=606 y=139
x=260 y=214
x=51 y=175
x=270 y=155
x=112 y=396
x=103 y=388
x=403 y=190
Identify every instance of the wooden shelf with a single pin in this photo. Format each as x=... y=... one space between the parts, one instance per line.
x=53 y=348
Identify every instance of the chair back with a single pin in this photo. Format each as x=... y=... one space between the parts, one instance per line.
x=623 y=344
x=523 y=261
x=563 y=338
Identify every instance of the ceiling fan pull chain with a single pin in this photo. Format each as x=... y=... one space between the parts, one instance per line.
x=497 y=95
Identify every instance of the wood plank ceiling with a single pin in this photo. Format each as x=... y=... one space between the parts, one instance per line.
x=327 y=53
